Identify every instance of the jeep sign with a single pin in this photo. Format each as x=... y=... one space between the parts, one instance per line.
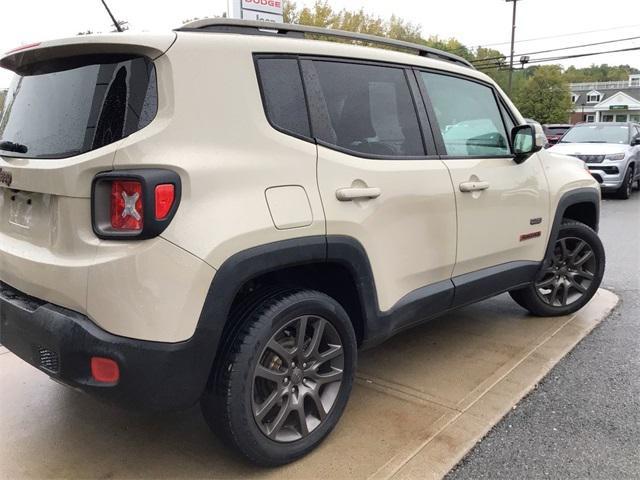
x=264 y=10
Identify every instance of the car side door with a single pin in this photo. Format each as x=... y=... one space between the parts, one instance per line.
x=380 y=181
x=502 y=206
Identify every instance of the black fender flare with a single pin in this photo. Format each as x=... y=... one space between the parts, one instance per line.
x=572 y=197
x=246 y=265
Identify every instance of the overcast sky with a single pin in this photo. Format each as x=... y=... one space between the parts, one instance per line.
x=474 y=22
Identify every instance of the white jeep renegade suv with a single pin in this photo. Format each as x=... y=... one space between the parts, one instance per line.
x=226 y=213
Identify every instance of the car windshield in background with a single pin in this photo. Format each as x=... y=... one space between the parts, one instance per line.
x=597 y=134
x=61 y=108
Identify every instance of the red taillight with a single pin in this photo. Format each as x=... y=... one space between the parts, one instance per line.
x=126 y=205
x=165 y=194
x=105 y=370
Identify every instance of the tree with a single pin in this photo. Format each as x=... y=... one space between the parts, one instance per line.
x=545 y=96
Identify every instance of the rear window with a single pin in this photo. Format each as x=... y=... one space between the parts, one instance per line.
x=66 y=107
x=557 y=130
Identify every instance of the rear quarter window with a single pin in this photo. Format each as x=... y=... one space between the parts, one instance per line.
x=283 y=95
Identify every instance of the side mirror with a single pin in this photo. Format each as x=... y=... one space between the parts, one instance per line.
x=635 y=141
x=525 y=142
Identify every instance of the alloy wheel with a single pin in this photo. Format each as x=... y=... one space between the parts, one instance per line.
x=566 y=278
x=297 y=379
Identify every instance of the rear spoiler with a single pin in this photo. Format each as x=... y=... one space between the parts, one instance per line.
x=144 y=44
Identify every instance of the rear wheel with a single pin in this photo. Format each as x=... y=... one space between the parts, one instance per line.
x=286 y=377
x=570 y=276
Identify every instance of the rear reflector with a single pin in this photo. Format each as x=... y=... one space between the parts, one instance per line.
x=165 y=194
x=104 y=370
x=126 y=205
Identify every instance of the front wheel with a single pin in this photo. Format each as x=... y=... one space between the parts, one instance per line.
x=626 y=189
x=285 y=378
x=571 y=275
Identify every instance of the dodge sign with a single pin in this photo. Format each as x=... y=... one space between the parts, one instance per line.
x=264 y=10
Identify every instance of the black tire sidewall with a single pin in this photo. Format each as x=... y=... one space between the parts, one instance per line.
x=246 y=433
x=625 y=191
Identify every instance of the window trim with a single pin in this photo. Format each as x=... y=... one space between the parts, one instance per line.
x=428 y=141
x=594 y=93
x=440 y=145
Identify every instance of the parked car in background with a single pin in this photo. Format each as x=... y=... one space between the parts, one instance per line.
x=610 y=150
x=541 y=137
x=555 y=131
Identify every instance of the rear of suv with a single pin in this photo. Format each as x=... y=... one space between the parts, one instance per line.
x=555 y=131
x=226 y=213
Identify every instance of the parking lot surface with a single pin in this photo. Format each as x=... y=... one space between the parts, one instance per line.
x=583 y=421
x=421 y=401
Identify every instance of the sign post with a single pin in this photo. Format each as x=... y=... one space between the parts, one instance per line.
x=262 y=10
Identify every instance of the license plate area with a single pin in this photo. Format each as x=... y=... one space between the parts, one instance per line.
x=21 y=210
x=27 y=214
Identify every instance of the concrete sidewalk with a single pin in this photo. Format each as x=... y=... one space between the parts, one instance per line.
x=422 y=400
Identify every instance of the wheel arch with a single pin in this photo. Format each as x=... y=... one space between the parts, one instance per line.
x=335 y=265
x=582 y=205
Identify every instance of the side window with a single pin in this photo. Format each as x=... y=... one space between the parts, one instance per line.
x=283 y=95
x=468 y=116
x=362 y=108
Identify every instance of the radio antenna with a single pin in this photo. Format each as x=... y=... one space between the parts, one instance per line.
x=113 y=19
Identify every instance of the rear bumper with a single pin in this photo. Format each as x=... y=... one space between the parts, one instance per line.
x=153 y=375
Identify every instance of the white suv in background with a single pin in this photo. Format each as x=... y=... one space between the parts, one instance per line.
x=610 y=150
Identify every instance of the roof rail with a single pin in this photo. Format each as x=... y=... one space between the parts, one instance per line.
x=250 y=27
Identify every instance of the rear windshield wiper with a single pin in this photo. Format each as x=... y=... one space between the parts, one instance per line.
x=13 y=147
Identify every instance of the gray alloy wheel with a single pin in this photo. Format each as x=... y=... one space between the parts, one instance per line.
x=297 y=379
x=567 y=277
x=626 y=189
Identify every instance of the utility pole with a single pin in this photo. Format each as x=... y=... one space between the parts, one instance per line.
x=113 y=19
x=513 y=38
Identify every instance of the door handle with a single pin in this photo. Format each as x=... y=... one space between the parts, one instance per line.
x=473 y=186
x=355 y=193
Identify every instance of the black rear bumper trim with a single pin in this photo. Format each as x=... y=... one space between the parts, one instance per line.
x=154 y=376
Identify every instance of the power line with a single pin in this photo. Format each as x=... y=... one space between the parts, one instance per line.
x=552 y=36
x=566 y=57
x=483 y=60
x=561 y=35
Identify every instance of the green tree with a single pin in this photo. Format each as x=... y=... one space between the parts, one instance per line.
x=599 y=73
x=545 y=96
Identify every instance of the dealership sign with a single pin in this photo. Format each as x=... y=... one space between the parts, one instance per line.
x=263 y=10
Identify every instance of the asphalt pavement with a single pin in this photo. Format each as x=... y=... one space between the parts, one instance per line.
x=583 y=420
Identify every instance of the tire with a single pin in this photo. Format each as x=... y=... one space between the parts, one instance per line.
x=272 y=400
x=626 y=189
x=570 y=278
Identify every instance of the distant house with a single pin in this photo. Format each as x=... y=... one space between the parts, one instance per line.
x=606 y=101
